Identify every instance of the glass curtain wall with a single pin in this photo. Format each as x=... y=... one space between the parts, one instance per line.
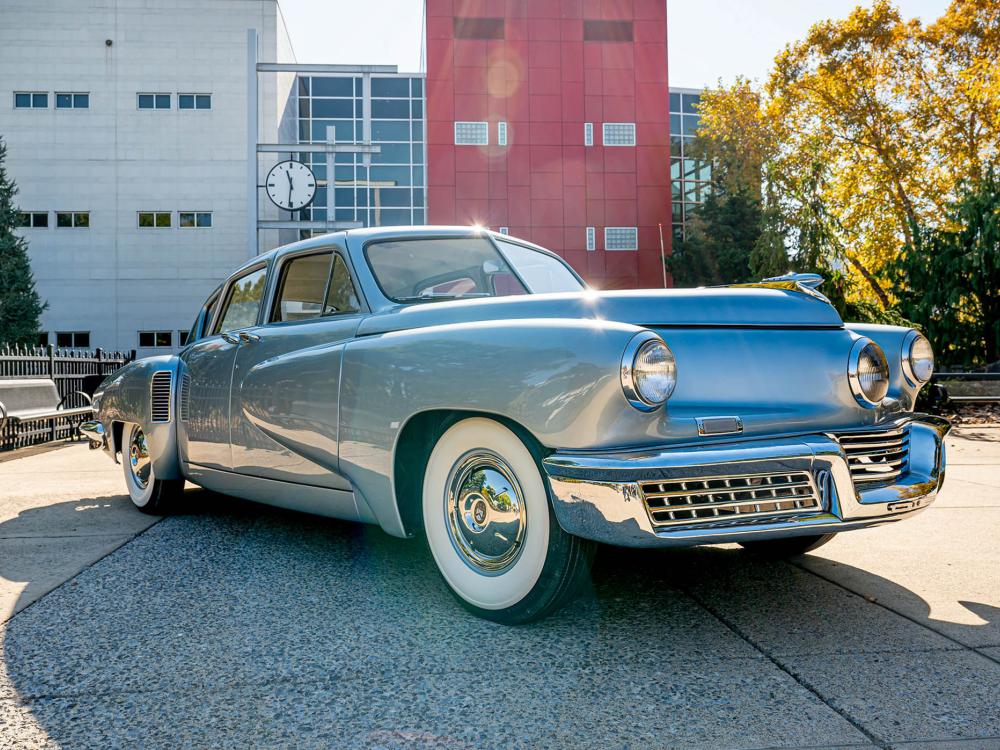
x=383 y=189
x=689 y=177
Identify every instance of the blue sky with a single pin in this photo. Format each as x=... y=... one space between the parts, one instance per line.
x=709 y=39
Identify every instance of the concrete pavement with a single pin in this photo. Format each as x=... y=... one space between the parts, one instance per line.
x=235 y=625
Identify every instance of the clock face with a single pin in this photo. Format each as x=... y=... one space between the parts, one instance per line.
x=290 y=185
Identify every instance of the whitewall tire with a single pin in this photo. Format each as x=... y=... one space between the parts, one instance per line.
x=148 y=494
x=490 y=526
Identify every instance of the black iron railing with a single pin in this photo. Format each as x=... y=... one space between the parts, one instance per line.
x=72 y=370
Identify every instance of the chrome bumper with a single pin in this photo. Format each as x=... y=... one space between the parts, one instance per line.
x=598 y=495
x=94 y=432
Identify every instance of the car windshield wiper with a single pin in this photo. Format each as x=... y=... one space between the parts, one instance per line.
x=440 y=297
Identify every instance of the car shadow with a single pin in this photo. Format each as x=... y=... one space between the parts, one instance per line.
x=226 y=593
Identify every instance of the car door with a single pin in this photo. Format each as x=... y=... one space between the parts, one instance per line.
x=286 y=380
x=207 y=373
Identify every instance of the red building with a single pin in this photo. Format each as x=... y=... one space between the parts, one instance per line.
x=549 y=119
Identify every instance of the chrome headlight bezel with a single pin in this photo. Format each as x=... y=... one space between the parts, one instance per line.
x=854 y=373
x=906 y=358
x=630 y=385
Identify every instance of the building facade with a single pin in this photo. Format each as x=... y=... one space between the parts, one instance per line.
x=549 y=119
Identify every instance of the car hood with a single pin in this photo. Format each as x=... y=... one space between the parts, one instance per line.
x=723 y=307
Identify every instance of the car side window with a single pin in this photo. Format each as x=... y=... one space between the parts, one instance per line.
x=242 y=302
x=342 y=297
x=301 y=288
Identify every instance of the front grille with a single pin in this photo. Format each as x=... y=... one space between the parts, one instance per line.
x=685 y=501
x=876 y=456
x=159 y=396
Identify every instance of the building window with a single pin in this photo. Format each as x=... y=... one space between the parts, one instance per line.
x=619 y=134
x=73 y=339
x=154 y=101
x=182 y=338
x=472 y=133
x=73 y=219
x=502 y=133
x=607 y=31
x=621 y=238
x=194 y=219
x=43 y=338
x=194 y=101
x=478 y=28
x=588 y=134
x=155 y=339
x=72 y=100
x=33 y=219
x=154 y=220
x=31 y=100
x=504 y=230
x=591 y=238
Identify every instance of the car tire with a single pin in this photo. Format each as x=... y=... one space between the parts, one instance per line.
x=148 y=494
x=491 y=529
x=779 y=549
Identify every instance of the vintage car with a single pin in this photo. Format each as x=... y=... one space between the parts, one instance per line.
x=467 y=387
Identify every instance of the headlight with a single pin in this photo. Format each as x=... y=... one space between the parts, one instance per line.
x=917 y=358
x=649 y=372
x=868 y=372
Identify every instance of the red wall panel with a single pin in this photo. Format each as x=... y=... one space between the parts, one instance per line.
x=545 y=81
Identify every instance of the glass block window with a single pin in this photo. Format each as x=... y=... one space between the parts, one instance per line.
x=155 y=339
x=72 y=100
x=73 y=219
x=504 y=230
x=472 y=133
x=194 y=101
x=502 y=133
x=591 y=238
x=194 y=219
x=621 y=238
x=155 y=220
x=33 y=219
x=31 y=100
x=153 y=101
x=619 y=134
x=588 y=134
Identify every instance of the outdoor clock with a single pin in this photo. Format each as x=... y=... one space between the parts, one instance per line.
x=290 y=185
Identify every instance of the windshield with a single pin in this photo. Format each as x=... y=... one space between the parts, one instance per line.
x=426 y=270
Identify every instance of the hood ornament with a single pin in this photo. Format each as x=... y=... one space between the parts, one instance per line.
x=807 y=283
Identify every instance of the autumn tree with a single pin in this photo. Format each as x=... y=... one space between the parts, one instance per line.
x=20 y=306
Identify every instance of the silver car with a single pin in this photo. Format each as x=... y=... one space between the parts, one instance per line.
x=467 y=387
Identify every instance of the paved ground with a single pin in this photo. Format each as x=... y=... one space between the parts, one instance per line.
x=234 y=625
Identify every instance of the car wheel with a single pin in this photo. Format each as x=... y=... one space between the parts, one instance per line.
x=148 y=494
x=491 y=529
x=778 y=549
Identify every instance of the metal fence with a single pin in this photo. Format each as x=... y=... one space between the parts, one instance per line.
x=72 y=370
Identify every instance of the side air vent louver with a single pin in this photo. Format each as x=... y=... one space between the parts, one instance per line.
x=185 y=396
x=160 y=396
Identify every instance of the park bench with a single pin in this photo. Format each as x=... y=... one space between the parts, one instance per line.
x=25 y=400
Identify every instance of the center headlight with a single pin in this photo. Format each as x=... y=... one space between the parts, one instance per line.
x=649 y=372
x=868 y=372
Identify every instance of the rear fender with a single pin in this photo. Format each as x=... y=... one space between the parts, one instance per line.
x=125 y=397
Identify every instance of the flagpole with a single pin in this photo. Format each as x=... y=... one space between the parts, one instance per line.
x=663 y=257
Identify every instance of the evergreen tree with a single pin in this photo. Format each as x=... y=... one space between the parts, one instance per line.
x=20 y=305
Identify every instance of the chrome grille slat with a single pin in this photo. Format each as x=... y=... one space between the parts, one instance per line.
x=159 y=395
x=876 y=456
x=694 y=500
x=185 y=396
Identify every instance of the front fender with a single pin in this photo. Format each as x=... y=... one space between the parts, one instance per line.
x=125 y=398
x=558 y=379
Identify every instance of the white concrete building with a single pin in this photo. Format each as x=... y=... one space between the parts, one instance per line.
x=127 y=133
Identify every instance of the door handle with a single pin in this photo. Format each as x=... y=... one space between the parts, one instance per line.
x=230 y=339
x=249 y=338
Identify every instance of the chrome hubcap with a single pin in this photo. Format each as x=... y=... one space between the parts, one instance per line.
x=138 y=458
x=485 y=512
